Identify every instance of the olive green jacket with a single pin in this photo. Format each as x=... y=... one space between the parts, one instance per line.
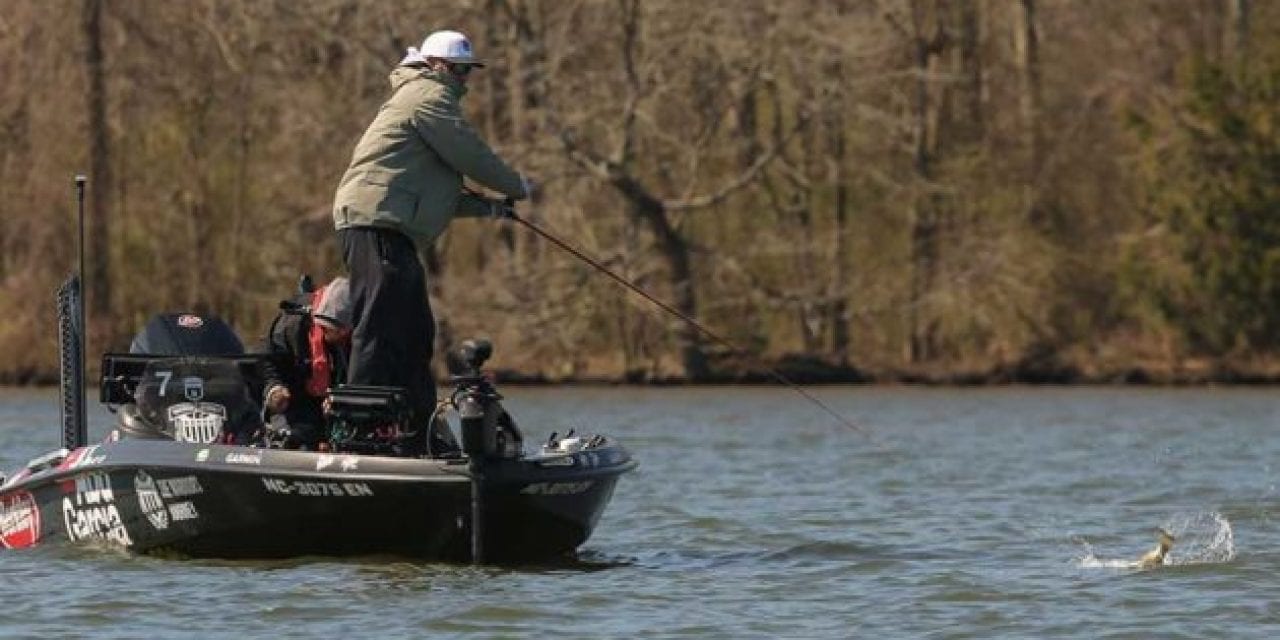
x=406 y=171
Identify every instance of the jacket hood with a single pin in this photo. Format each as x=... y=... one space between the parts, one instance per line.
x=404 y=73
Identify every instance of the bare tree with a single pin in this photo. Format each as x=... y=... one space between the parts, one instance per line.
x=656 y=213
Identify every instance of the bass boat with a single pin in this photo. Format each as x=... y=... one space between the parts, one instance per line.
x=169 y=479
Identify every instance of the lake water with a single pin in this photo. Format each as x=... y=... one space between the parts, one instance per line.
x=969 y=513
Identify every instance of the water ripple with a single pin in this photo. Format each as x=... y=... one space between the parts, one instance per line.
x=978 y=513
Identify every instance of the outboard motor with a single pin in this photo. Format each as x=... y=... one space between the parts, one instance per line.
x=184 y=378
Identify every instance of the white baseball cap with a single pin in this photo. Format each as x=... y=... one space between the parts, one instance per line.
x=450 y=46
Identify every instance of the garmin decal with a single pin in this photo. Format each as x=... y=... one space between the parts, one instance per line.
x=243 y=458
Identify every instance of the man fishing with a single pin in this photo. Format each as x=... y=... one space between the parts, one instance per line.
x=403 y=187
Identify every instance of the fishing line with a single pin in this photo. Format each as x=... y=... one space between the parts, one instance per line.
x=777 y=375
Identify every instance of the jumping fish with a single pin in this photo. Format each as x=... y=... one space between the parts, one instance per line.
x=1155 y=557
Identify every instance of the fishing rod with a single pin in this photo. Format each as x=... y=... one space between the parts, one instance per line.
x=777 y=375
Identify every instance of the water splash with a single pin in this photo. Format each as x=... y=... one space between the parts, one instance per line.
x=1203 y=538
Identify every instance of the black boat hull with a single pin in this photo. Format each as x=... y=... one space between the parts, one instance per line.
x=199 y=500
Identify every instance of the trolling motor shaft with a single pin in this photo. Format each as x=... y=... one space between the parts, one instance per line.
x=488 y=432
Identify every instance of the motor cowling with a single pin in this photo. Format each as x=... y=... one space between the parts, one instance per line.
x=189 y=390
x=187 y=334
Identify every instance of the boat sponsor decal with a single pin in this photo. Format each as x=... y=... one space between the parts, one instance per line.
x=93 y=513
x=243 y=458
x=184 y=510
x=180 y=487
x=345 y=463
x=19 y=520
x=15 y=478
x=557 y=488
x=82 y=457
x=317 y=489
x=193 y=388
x=197 y=421
x=51 y=459
x=202 y=455
x=94 y=488
x=149 y=501
x=189 y=321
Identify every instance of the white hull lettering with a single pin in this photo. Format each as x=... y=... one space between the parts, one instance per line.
x=94 y=488
x=243 y=458
x=149 y=501
x=557 y=488
x=15 y=519
x=94 y=522
x=317 y=489
x=182 y=487
x=346 y=463
x=183 y=511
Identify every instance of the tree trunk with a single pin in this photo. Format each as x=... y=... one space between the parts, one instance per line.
x=1236 y=38
x=1027 y=59
x=928 y=45
x=496 y=125
x=840 y=260
x=675 y=252
x=972 y=22
x=838 y=309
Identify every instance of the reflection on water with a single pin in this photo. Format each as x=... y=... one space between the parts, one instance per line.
x=971 y=513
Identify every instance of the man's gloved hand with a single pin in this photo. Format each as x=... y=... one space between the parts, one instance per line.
x=502 y=209
x=530 y=187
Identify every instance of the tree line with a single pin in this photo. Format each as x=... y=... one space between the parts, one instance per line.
x=842 y=189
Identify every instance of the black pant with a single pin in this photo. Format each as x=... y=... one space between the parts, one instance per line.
x=391 y=341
